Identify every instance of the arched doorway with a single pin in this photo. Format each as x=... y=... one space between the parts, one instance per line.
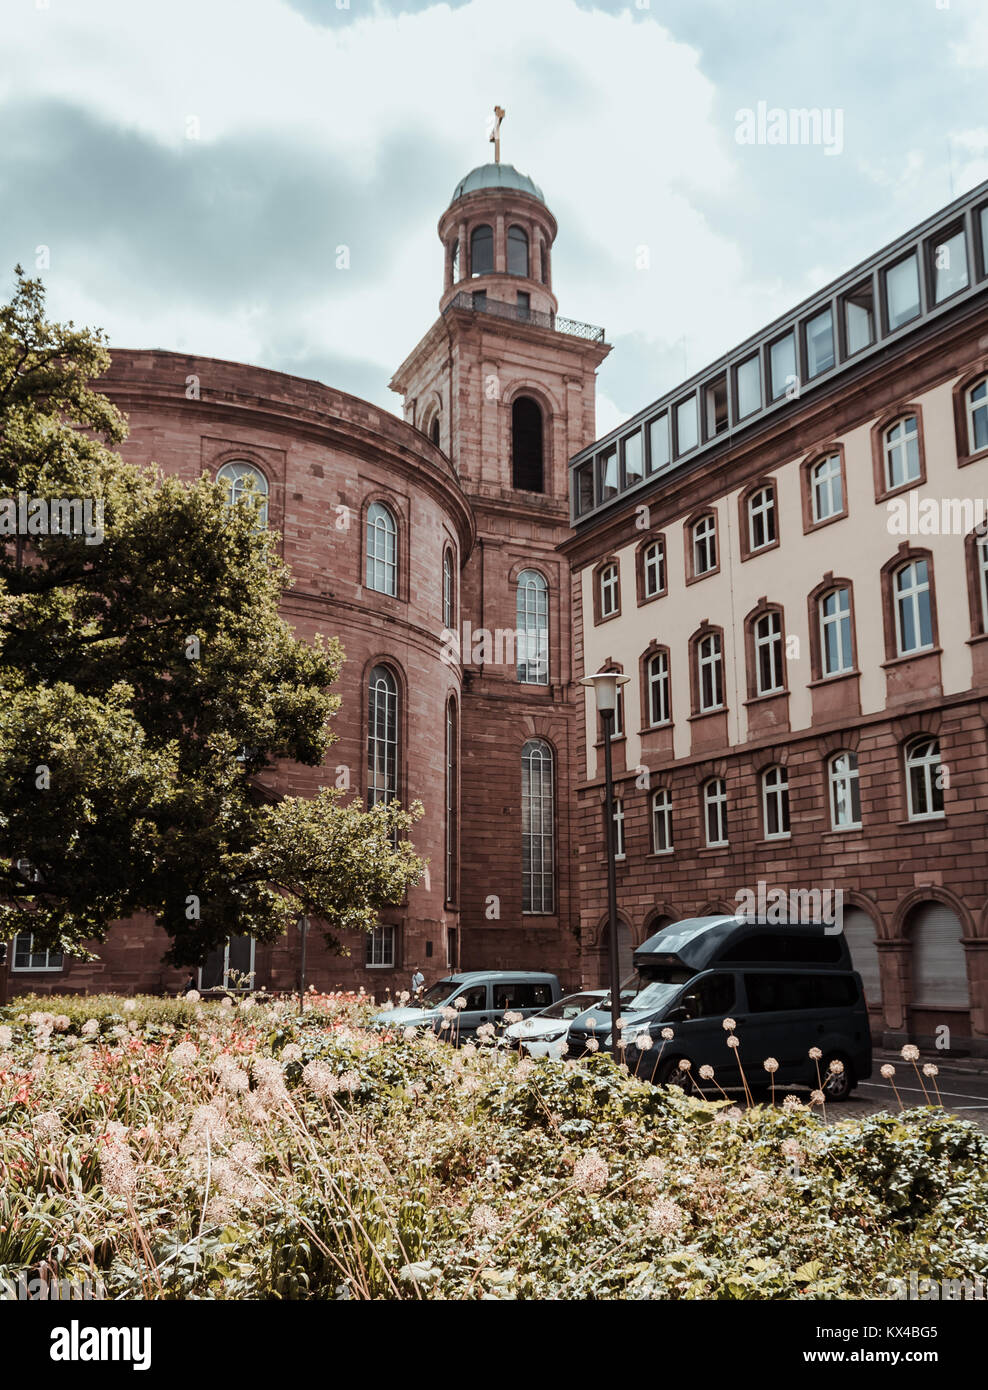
x=860 y=934
x=939 y=994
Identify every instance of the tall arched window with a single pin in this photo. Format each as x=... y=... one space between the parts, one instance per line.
x=517 y=251
x=237 y=476
x=526 y=445
x=452 y=803
x=775 y=803
x=543 y=263
x=382 y=549
x=532 y=625
x=382 y=737
x=538 y=814
x=709 y=657
x=836 y=644
x=924 y=778
x=481 y=251
x=913 y=609
x=845 y=791
x=657 y=686
x=449 y=590
x=715 y=812
x=434 y=432
x=900 y=444
x=769 y=672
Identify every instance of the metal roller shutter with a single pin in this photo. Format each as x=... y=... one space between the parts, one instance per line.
x=859 y=930
x=939 y=964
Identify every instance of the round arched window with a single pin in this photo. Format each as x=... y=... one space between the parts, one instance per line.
x=241 y=481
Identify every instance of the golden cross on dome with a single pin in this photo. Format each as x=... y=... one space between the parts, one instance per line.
x=495 y=135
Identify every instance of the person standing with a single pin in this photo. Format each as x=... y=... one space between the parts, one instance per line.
x=418 y=981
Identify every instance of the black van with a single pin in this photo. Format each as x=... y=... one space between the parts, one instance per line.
x=787 y=988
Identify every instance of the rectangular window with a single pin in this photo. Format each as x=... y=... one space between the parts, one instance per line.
x=983 y=219
x=658 y=444
x=782 y=359
x=859 y=318
x=948 y=264
x=748 y=377
x=715 y=404
x=618 y=829
x=820 y=343
x=634 y=469
x=524 y=304
x=686 y=426
x=584 y=488
x=26 y=957
x=902 y=292
x=609 y=591
x=607 y=473
x=381 y=948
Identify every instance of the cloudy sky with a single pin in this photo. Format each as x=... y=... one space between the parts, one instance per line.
x=192 y=166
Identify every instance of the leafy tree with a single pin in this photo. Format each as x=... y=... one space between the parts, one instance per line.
x=145 y=683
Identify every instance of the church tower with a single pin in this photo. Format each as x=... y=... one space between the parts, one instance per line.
x=505 y=387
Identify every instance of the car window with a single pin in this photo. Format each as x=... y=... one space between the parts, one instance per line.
x=476 y=997
x=777 y=992
x=711 y=997
x=522 y=994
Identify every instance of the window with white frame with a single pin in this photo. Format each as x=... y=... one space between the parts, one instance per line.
x=381 y=948
x=382 y=737
x=449 y=590
x=770 y=676
x=538 y=815
x=705 y=545
x=609 y=591
x=924 y=778
x=617 y=728
x=25 y=956
x=382 y=549
x=618 y=828
x=452 y=802
x=710 y=672
x=244 y=482
x=657 y=681
x=775 y=803
x=845 y=791
x=662 y=821
x=654 y=568
x=913 y=608
x=901 y=442
x=532 y=624
x=981 y=556
x=836 y=645
x=827 y=489
x=761 y=519
x=977 y=415
x=715 y=812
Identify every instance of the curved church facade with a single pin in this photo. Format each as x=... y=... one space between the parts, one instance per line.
x=427 y=544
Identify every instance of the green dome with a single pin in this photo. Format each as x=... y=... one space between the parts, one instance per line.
x=496 y=176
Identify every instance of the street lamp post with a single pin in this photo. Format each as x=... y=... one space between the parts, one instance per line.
x=605 y=685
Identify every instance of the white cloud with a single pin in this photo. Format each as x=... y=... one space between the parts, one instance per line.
x=609 y=114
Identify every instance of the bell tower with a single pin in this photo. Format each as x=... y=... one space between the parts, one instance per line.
x=505 y=387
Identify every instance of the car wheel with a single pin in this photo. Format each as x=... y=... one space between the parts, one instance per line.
x=837 y=1085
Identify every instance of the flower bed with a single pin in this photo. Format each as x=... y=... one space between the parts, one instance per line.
x=175 y=1149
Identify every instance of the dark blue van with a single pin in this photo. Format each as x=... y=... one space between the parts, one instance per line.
x=787 y=988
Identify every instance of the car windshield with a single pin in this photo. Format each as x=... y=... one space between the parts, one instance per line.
x=436 y=994
x=650 y=992
x=569 y=1007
